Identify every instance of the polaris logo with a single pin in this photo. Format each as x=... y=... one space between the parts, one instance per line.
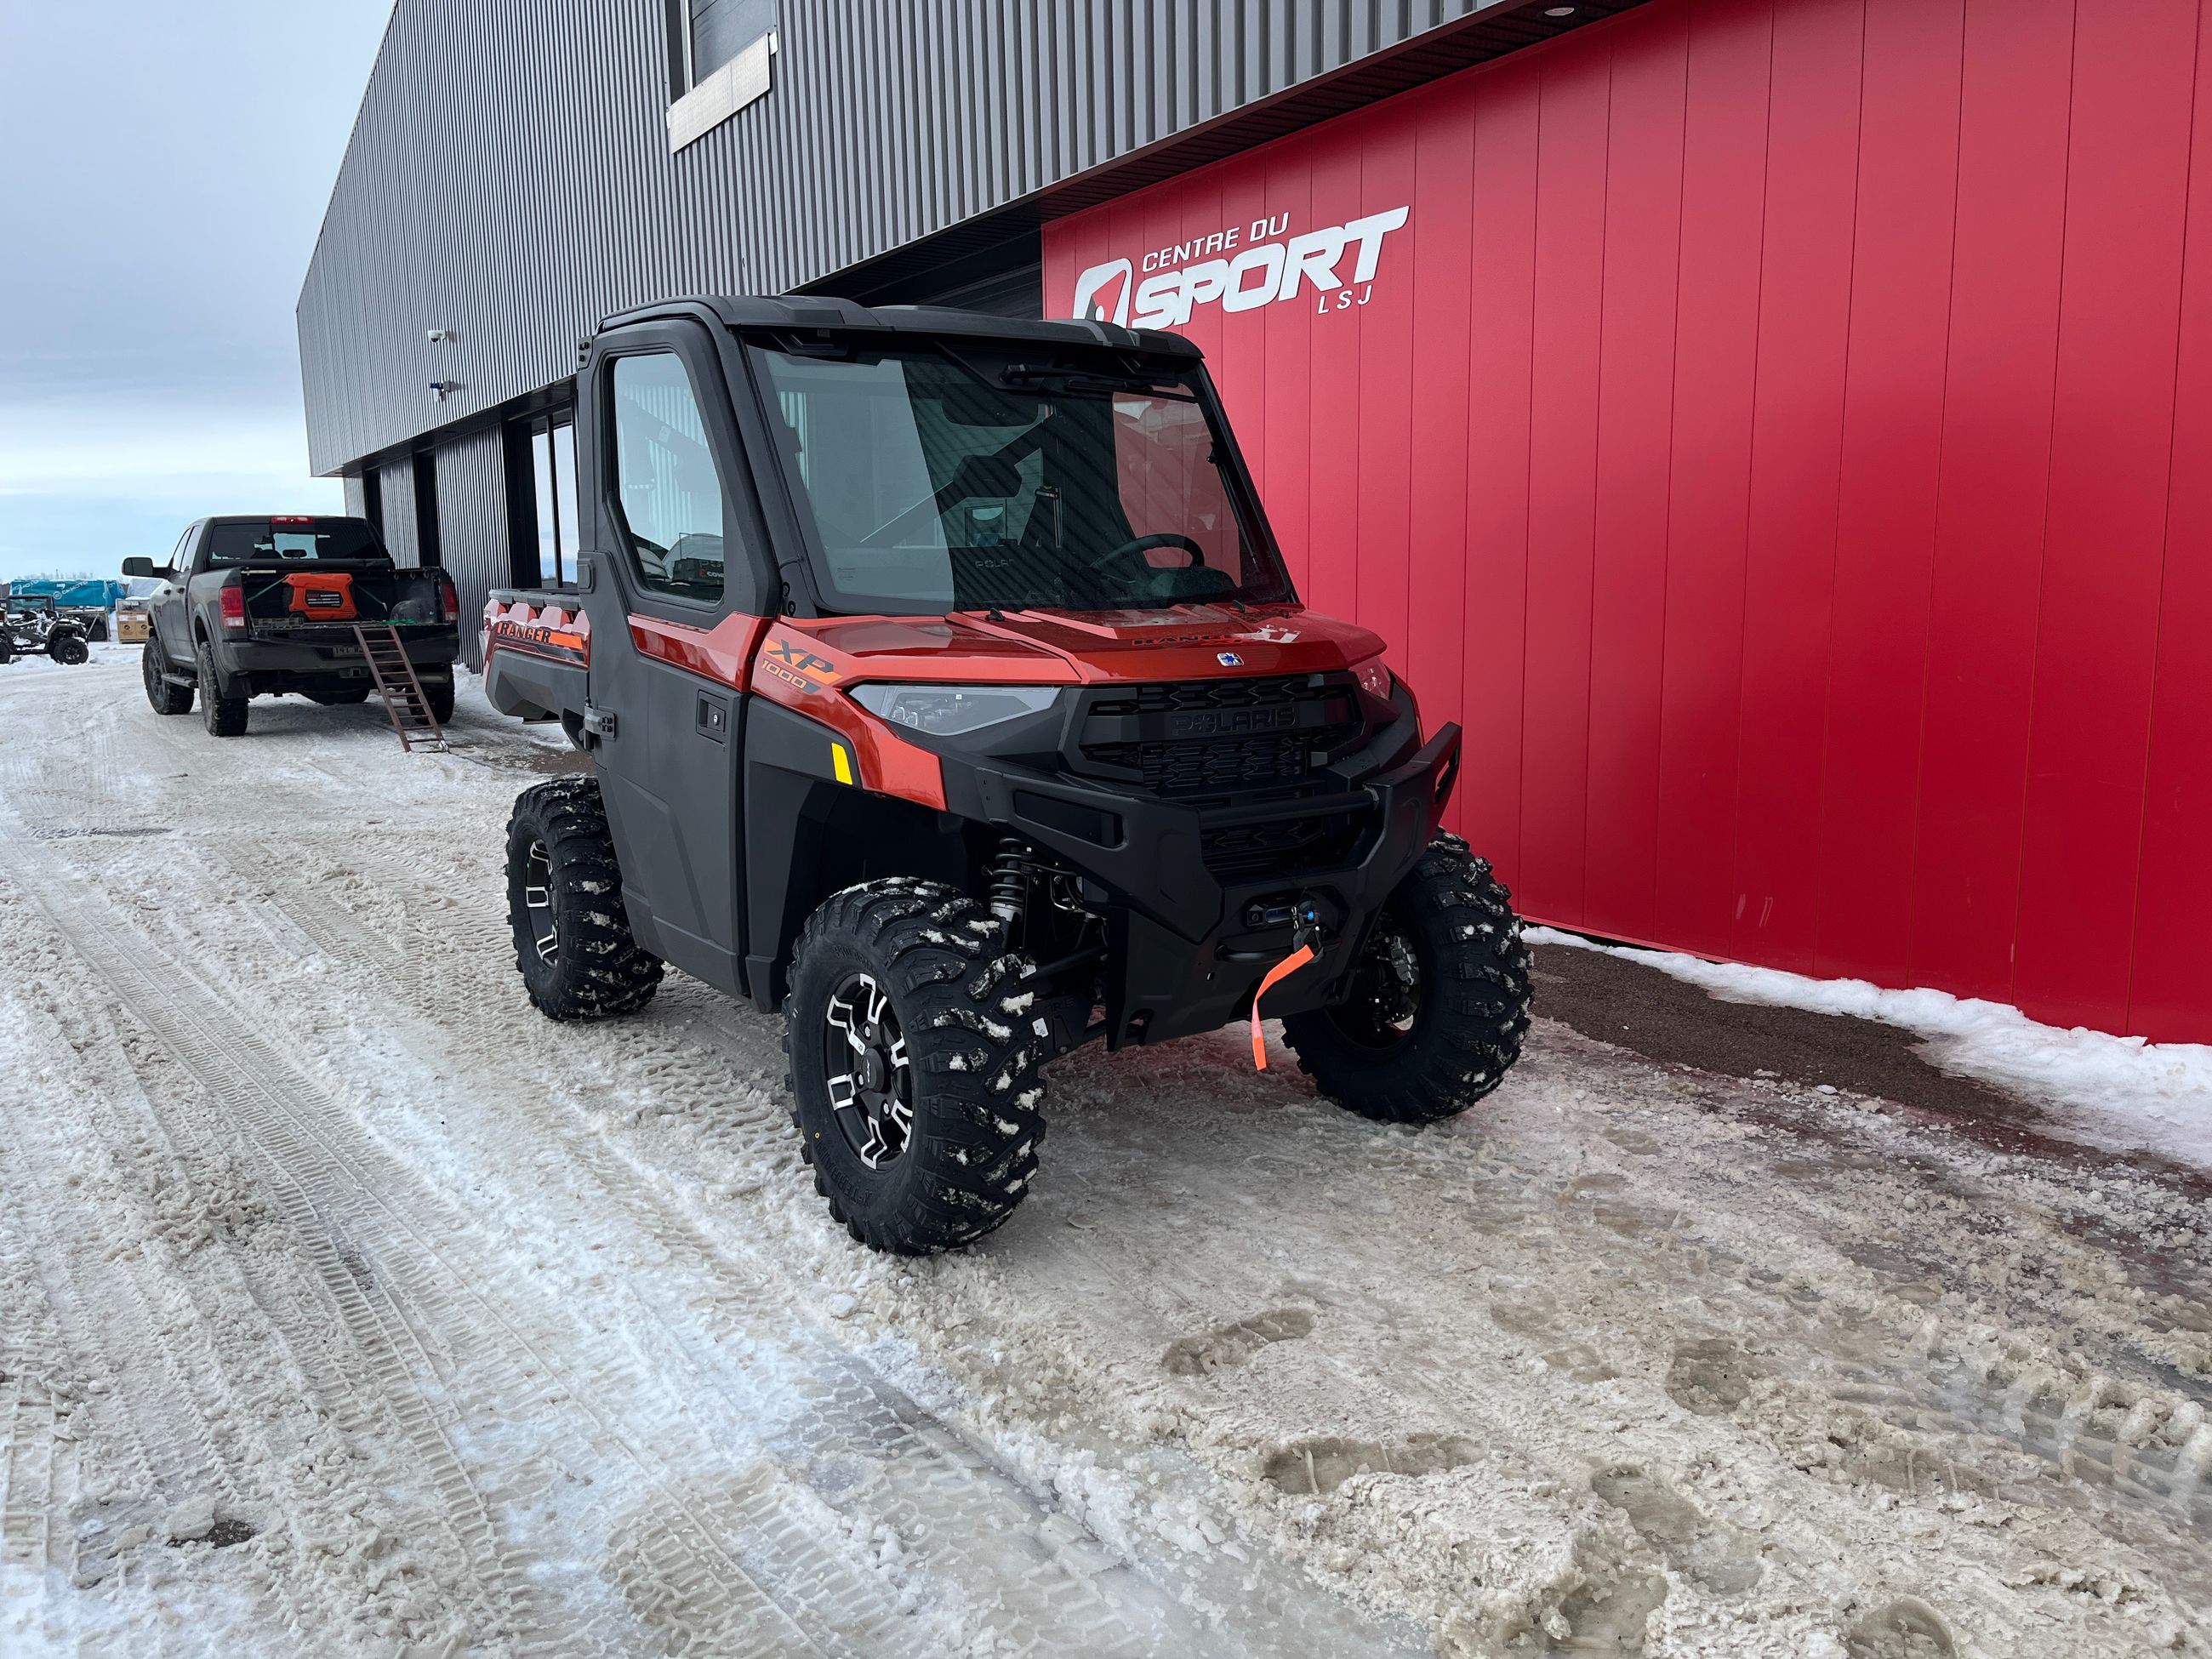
x=1230 y=722
x=1267 y=273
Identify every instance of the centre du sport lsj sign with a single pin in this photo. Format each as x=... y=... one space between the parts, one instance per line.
x=1237 y=271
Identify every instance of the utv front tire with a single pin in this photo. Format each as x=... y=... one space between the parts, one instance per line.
x=914 y=1048
x=225 y=717
x=68 y=649
x=1439 y=999
x=572 y=939
x=163 y=694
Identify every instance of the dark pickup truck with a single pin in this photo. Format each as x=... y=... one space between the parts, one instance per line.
x=258 y=606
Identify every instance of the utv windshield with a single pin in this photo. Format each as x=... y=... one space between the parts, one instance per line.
x=977 y=477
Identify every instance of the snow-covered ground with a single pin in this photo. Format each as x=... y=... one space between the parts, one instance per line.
x=348 y=1306
x=103 y=652
x=2111 y=1090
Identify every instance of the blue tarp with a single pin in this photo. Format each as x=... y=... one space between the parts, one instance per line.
x=94 y=595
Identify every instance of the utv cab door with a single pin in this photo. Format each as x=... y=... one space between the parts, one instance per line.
x=674 y=598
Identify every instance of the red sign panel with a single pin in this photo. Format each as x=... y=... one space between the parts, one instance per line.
x=1774 y=429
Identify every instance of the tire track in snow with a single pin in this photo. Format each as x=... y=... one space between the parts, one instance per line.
x=692 y=1548
x=310 y=1190
x=354 y=1194
x=30 y=1429
x=190 y=1299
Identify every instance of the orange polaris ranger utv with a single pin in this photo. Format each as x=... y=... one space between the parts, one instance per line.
x=946 y=691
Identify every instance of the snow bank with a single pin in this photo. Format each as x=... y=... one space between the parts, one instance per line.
x=2116 y=1091
x=103 y=651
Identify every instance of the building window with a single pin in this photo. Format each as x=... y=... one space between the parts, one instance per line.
x=720 y=53
x=427 y=548
x=553 y=476
x=721 y=29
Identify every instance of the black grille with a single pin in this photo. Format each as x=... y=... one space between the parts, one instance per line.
x=1226 y=736
x=1283 y=846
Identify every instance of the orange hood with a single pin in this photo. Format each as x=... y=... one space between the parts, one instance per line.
x=1073 y=648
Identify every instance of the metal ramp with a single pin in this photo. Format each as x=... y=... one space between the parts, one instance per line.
x=386 y=656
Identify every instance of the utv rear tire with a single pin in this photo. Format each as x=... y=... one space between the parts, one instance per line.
x=225 y=717
x=163 y=694
x=68 y=649
x=1468 y=1010
x=964 y=1035
x=572 y=940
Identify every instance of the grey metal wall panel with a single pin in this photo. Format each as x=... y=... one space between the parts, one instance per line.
x=472 y=525
x=509 y=175
x=356 y=497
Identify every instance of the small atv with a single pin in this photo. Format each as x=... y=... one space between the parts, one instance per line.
x=947 y=693
x=30 y=624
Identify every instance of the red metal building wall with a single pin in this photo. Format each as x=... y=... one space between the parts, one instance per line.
x=1781 y=433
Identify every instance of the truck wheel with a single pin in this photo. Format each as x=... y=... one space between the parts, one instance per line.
x=68 y=649
x=1439 y=998
x=913 y=1054
x=165 y=696
x=571 y=938
x=439 y=694
x=225 y=717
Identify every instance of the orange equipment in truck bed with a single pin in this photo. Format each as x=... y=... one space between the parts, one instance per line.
x=325 y=596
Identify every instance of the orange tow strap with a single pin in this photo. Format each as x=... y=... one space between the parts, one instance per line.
x=1282 y=970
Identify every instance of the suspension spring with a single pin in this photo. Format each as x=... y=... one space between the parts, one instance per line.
x=1010 y=881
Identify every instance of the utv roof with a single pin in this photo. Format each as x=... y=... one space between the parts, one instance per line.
x=803 y=314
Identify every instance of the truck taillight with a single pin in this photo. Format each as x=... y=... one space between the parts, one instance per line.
x=234 y=607
x=448 y=600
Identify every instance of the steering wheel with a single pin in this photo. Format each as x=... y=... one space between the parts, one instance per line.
x=1139 y=543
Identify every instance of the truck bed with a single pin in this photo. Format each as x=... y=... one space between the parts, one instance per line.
x=405 y=600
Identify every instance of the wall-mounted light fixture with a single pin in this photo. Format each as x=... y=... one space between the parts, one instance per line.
x=439 y=388
x=438 y=336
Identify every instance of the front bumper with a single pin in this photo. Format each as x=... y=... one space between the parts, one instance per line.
x=1184 y=952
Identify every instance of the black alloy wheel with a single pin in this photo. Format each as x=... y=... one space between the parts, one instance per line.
x=864 y=1062
x=545 y=919
x=913 y=1044
x=163 y=695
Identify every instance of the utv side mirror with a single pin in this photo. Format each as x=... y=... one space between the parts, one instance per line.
x=138 y=568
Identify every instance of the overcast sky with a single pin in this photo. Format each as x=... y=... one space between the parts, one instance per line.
x=162 y=175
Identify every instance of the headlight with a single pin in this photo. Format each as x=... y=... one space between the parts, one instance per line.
x=947 y=711
x=1374 y=678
